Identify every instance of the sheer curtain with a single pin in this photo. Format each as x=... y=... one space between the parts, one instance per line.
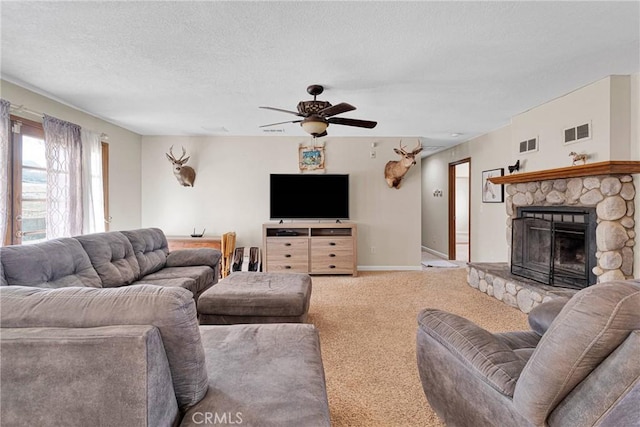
x=4 y=162
x=64 y=177
x=92 y=197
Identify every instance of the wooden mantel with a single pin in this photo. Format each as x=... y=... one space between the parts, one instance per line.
x=611 y=167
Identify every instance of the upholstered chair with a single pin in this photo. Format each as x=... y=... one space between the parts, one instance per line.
x=580 y=367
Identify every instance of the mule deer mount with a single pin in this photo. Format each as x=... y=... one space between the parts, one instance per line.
x=395 y=170
x=184 y=174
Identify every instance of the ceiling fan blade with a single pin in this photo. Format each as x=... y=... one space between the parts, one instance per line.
x=283 y=111
x=352 y=122
x=321 y=134
x=280 y=123
x=343 y=107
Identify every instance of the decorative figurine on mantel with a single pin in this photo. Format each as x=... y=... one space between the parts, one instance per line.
x=578 y=157
x=515 y=167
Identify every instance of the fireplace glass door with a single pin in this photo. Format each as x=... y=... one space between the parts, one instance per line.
x=531 y=249
x=554 y=247
x=569 y=254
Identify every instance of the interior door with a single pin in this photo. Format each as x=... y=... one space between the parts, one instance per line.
x=459 y=210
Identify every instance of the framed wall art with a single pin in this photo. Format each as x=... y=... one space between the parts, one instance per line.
x=492 y=193
x=311 y=158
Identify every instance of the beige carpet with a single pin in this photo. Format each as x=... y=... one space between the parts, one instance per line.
x=367 y=330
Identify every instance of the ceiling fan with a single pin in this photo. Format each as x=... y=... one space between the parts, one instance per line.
x=318 y=115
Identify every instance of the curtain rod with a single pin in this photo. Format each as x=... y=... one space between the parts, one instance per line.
x=23 y=109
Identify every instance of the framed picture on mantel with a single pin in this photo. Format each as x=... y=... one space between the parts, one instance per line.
x=492 y=193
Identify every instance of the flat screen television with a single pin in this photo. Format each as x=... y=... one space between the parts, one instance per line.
x=297 y=196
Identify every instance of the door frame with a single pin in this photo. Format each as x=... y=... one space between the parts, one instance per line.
x=452 y=208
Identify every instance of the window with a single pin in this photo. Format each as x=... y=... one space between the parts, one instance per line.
x=28 y=189
x=29 y=183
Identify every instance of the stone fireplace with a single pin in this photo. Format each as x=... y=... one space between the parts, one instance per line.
x=567 y=229
x=612 y=197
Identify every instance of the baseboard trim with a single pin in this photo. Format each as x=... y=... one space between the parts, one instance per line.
x=434 y=252
x=389 y=268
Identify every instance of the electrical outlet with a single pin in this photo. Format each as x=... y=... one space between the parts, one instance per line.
x=372 y=154
x=373 y=249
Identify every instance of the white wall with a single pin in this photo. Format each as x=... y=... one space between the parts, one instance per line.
x=435 y=210
x=231 y=191
x=548 y=121
x=634 y=102
x=488 y=220
x=124 y=152
x=602 y=103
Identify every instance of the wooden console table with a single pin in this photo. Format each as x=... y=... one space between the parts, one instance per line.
x=187 y=242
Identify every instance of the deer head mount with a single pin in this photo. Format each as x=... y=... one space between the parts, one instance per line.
x=395 y=170
x=184 y=174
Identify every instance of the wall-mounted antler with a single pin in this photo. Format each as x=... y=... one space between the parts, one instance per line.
x=184 y=174
x=395 y=170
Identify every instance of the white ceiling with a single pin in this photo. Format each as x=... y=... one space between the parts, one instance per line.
x=424 y=69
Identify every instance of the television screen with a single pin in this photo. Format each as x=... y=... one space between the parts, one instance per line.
x=309 y=196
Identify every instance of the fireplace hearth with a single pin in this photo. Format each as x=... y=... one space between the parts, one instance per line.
x=555 y=245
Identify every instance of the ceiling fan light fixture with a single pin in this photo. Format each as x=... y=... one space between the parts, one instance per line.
x=314 y=125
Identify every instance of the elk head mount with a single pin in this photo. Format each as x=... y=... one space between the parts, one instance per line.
x=184 y=174
x=395 y=170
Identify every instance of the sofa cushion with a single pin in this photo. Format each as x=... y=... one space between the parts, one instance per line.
x=263 y=376
x=56 y=263
x=112 y=257
x=589 y=327
x=203 y=276
x=170 y=309
x=150 y=247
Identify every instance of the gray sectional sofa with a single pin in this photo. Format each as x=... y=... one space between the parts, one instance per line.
x=108 y=260
x=97 y=332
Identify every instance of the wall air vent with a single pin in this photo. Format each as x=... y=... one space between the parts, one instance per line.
x=528 y=145
x=577 y=133
x=273 y=130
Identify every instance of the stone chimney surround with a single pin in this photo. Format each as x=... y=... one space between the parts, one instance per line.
x=607 y=186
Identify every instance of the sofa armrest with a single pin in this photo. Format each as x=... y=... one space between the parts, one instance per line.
x=486 y=355
x=190 y=257
x=115 y=373
x=541 y=316
x=170 y=309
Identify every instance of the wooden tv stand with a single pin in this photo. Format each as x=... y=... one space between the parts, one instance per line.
x=310 y=247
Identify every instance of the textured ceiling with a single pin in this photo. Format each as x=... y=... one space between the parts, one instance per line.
x=424 y=69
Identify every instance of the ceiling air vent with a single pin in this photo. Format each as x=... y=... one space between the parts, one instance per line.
x=528 y=145
x=429 y=148
x=578 y=133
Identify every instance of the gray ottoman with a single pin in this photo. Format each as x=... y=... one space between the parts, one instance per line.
x=248 y=297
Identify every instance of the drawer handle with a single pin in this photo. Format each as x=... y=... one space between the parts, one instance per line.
x=332 y=266
x=332 y=255
x=287 y=255
x=287 y=267
x=287 y=244
x=332 y=243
